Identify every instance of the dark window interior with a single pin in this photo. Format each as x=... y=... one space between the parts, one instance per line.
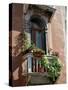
x=38 y=32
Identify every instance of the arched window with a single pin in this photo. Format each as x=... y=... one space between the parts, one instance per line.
x=38 y=31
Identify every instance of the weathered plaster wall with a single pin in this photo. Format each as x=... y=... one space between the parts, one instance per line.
x=58 y=38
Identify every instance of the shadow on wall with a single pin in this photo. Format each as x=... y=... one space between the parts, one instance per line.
x=15 y=62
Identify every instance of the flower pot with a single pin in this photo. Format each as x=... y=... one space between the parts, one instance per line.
x=37 y=54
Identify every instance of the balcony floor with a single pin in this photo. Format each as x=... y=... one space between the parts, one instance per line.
x=38 y=79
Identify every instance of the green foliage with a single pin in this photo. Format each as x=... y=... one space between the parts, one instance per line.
x=25 y=41
x=53 y=67
x=44 y=61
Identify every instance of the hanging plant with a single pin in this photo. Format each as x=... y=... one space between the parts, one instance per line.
x=53 y=67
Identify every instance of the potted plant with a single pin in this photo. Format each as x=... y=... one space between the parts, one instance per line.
x=38 y=52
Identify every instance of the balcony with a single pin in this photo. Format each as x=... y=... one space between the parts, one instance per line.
x=49 y=71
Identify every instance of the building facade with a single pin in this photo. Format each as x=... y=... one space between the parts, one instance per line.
x=45 y=26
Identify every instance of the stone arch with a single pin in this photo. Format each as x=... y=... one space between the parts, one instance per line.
x=38 y=21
